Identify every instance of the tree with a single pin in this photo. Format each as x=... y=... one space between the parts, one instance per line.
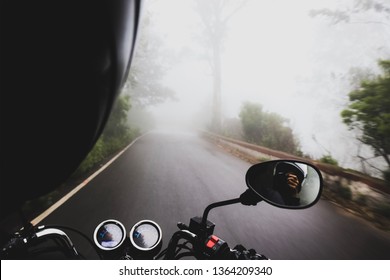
x=252 y=120
x=232 y=127
x=360 y=12
x=369 y=112
x=148 y=68
x=267 y=129
x=215 y=15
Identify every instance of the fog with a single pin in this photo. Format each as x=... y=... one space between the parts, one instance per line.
x=276 y=54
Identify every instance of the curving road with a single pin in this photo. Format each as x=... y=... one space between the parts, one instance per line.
x=172 y=176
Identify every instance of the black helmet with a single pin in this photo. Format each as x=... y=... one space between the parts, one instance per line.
x=62 y=65
x=280 y=178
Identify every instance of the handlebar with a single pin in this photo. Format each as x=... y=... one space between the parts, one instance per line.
x=34 y=243
x=173 y=243
x=211 y=248
x=29 y=243
x=242 y=253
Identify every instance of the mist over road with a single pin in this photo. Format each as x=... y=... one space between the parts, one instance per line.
x=172 y=176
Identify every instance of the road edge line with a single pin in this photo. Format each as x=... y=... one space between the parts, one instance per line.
x=61 y=201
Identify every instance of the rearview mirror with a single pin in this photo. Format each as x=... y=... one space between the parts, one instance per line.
x=286 y=183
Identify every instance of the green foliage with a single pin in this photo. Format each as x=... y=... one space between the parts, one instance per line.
x=117 y=127
x=251 y=116
x=359 y=11
x=361 y=199
x=383 y=209
x=329 y=160
x=344 y=192
x=369 y=112
x=267 y=129
x=116 y=135
x=386 y=175
x=232 y=128
x=38 y=205
x=96 y=155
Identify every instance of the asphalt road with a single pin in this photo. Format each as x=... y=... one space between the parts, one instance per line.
x=172 y=176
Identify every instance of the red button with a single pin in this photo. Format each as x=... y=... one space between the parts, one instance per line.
x=210 y=244
x=215 y=238
x=212 y=241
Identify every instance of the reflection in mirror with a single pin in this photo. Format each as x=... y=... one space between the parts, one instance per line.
x=109 y=235
x=286 y=183
x=146 y=236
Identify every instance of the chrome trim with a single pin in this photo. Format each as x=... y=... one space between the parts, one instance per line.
x=53 y=232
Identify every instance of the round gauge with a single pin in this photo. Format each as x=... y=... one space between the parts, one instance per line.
x=109 y=235
x=145 y=235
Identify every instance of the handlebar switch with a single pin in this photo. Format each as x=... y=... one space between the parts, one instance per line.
x=215 y=247
x=212 y=242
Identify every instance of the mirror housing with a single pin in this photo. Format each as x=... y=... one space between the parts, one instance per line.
x=288 y=184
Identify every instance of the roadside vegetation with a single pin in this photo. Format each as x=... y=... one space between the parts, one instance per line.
x=143 y=88
x=368 y=114
x=116 y=135
x=347 y=188
x=328 y=159
x=267 y=129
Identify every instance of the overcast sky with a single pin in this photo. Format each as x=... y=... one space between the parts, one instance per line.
x=277 y=55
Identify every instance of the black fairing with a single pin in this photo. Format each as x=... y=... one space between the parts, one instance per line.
x=62 y=65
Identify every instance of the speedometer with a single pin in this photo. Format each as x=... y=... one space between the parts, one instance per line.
x=109 y=235
x=146 y=237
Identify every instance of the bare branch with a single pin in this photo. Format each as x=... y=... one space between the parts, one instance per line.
x=369 y=22
x=239 y=7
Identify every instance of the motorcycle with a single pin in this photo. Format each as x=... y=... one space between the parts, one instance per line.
x=289 y=184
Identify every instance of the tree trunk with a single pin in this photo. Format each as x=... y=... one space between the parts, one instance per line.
x=217 y=102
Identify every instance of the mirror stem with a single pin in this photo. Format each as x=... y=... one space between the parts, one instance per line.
x=217 y=204
x=249 y=197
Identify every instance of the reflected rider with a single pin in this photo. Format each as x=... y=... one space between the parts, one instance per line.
x=288 y=179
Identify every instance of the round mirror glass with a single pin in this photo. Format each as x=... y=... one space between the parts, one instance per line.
x=286 y=183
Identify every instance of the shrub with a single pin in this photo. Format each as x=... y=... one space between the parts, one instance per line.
x=345 y=192
x=328 y=159
x=383 y=209
x=361 y=199
x=386 y=175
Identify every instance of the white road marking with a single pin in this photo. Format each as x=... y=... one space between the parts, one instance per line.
x=80 y=186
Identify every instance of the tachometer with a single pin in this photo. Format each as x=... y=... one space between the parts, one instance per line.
x=146 y=238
